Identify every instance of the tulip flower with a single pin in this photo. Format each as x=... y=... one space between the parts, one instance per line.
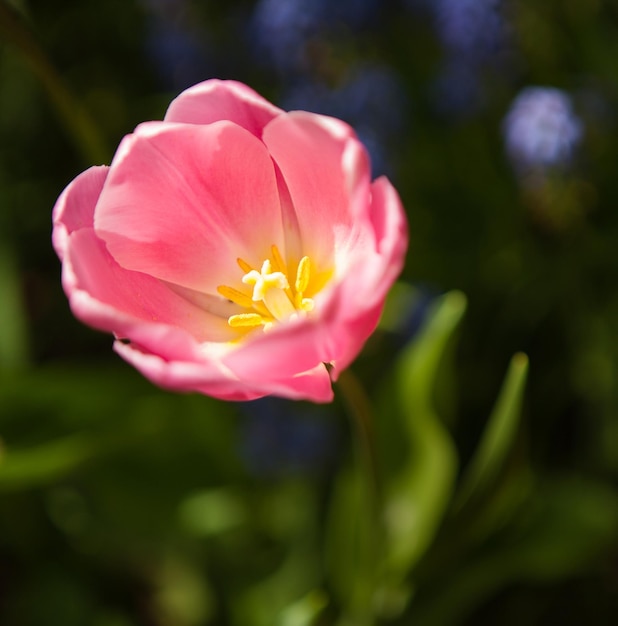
x=233 y=249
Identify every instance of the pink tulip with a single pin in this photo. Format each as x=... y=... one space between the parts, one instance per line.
x=233 y=249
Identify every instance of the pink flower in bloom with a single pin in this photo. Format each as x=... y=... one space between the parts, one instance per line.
x=233 y=249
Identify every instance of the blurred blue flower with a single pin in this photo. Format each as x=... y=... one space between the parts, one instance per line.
x=177 y=49
x=310 y=96
x=179 y=56
x=282 y=29
x=541 y=129
x=374 y=95
x=371 y=99
x=378 y=152
x=280 y=437
x=473 y=28
x=476 y=37
x=415 y=317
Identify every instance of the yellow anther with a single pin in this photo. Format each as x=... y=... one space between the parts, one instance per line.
x=235 y=296
x=307 y=304
x=303 y=304
x=303 y=274
x=246 y=320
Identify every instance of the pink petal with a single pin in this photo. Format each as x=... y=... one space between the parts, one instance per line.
x=181 y=203
x=284 y=352
x=326 y=170
x=204 y=377
x=130 y=304
x=215 y=100
x=355 y=310
x=351 y=338
x=74 y=208
x=314 y=385
x=391 y=232
x=368 y=269
x=210 y=378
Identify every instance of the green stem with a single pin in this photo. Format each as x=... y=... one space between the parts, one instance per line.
x=361 y=610
x=76 y=120
x=359 y=409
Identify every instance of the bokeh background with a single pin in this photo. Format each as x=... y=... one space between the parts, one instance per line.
x=123 y=505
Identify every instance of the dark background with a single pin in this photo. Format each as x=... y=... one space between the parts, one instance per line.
x=124 y=505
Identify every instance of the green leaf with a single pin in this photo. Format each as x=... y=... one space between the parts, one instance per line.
x=420 y=493
x=305 y=611
x=43 y=464
x=570 y=522
x=212 y=512
x=286 y=598
x=499 y=435
x=13 y=332
x=350 y=545
x=566 y=525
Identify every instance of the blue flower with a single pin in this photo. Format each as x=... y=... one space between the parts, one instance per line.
x=279 y=437
x=473 y=28
x=283 y=29
x=177 y=47
x=310 y=96
x=476 y=39
x=374 y=96
x=179 y=55
x=541 y=130
x=371 y=99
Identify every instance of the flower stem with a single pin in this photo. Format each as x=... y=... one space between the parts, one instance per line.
x=361 y=608
x=359 y=409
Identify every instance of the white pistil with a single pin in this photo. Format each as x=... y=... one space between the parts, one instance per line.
x=269 y=287
x=264 y=280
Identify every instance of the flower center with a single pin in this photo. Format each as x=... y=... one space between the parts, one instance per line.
x=273 y=298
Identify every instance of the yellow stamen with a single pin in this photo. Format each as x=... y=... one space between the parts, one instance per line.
x=280 y=266
x=303 y=273
x=245 y=320
x=279 y=263
x=244 y=266
x=235 y=296
x=241 y=299
x=273 y=298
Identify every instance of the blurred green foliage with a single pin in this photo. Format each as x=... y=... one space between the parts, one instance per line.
x=123 y=505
